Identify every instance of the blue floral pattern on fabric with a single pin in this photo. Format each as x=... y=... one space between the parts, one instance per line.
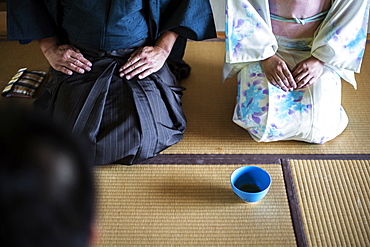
x=241 y=29
x=254 y=104
x=287 y=103
x=354 y=43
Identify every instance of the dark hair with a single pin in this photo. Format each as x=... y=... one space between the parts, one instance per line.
x=46 y=184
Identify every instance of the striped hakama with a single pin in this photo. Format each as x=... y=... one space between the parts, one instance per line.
x=119 y=120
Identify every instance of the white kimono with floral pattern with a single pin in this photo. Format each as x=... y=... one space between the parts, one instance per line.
x=313 y=114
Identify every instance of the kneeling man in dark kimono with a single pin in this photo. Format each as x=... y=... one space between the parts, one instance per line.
x=110 y=83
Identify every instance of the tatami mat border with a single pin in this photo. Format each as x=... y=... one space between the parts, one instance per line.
x=245 y=158
x=295 y=211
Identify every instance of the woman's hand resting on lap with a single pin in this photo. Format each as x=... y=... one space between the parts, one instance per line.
x=307 y=72
x=304 y=74
x=278 y=73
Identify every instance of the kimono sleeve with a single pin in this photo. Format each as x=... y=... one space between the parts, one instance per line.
x=29 y=20
x=340 y=41
x=249 y=36
x=192 y=19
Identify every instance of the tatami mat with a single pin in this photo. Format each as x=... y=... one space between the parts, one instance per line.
x=14 y=56
x=188 y=205
x=208 y=104
x=334 y=200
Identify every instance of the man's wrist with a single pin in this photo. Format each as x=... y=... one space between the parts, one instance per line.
x=47 y=43
x=166 y=41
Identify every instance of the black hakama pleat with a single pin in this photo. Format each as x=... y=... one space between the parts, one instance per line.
x=118 y=120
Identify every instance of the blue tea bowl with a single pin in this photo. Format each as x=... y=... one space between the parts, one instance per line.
x=250 y=183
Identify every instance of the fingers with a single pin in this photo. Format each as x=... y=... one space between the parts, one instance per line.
x=308 y=71
x=306 y=83
x=139 y=69
x=278 y=73
x=289 y=80
x=283 y=79
x=68 y=59
x=286 y=80
x=75 y=66
x=143 y=62
x=81 y=60
x=75 y=62
x=304 y=79
x=135 y=66
x=277 y=82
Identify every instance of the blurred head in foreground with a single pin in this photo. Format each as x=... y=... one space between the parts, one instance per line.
x=46 y=184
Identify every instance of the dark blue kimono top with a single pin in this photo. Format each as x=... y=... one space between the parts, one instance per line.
x=108 y=24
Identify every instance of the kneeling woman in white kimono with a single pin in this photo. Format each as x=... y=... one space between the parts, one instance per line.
x=290 y=57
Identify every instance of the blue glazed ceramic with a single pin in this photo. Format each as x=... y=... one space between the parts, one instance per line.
x=250 y=183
